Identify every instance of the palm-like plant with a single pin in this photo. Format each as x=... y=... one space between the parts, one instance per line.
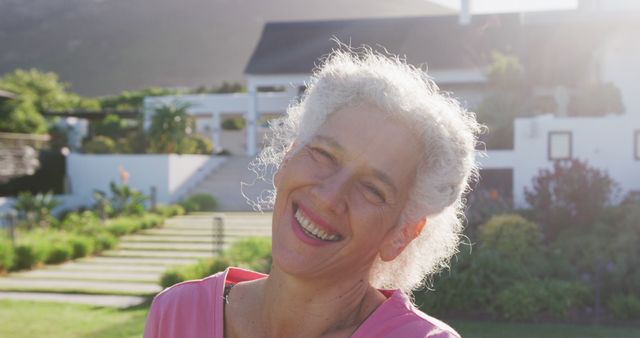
x=170 y=128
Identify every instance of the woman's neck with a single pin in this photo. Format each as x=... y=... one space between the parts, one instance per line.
x=286 y=306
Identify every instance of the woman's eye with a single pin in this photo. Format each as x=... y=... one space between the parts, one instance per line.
x=377 y=193
x=321 y=154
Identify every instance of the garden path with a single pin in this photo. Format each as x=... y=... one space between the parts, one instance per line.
x=129 y=274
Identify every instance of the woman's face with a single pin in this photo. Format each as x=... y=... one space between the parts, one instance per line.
x=340 y=194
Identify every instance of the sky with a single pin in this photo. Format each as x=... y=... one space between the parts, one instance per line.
x=493 y=6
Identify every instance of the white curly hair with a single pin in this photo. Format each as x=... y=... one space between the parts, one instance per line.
x=348 y=77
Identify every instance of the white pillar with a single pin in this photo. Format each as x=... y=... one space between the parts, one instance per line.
x=215 y=131
x=251 y=118
x=148 y=111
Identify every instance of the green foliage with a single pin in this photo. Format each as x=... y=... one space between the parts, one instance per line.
x=36 y=92
x=30 y=251
x=112 y=126
x=170 y=127
x=624 y=306
x=572 y=194
x=222 y=89
x=6 y=255
x=81 y=246
x=253 y=253
x=124 y=200
x=35 y=210
x=199 y=202
x=99 y=145
x=511 y=236
x=508 y=99
x=131 y=100
x=235 y=123
x=170 y=210
x=596 y=100
x=198 y=144
x=59 y=252
x=524 y=300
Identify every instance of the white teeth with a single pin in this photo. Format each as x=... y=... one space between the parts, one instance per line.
x=313 y=229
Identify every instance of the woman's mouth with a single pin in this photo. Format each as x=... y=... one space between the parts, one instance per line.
x=313 y=230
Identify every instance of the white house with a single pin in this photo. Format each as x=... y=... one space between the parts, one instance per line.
x=560 y=51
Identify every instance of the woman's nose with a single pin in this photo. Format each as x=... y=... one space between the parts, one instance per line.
x=332 y=191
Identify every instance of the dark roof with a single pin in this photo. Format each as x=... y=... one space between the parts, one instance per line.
x=556 y=51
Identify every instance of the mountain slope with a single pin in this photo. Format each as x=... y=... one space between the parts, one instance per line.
x=105 y=46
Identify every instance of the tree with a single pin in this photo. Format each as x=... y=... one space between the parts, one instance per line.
x=596 y=100
x=37 y=92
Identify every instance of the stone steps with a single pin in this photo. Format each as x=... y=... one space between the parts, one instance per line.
x=127 y=275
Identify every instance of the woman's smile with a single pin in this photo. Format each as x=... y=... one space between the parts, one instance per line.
x=313 y=227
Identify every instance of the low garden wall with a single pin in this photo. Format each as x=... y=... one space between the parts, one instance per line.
x=172 y=175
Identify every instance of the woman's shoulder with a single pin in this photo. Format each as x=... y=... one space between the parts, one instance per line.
x=397 y=317
x=189 y=291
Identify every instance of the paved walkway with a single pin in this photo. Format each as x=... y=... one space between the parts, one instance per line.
x=128 y=275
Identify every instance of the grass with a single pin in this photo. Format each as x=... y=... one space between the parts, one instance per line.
x=40 y=319
x=57 y=320
x=486 y=329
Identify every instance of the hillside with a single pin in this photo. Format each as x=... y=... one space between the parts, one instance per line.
x=105 y=46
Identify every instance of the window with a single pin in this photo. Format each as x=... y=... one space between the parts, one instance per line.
x=560 y=145
x=636 y=143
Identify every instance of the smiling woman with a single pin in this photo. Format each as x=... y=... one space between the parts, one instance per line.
x=370 y=167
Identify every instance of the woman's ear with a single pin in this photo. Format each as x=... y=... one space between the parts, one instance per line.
x=399 y=238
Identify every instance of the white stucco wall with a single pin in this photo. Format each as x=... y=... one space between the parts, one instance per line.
x=172 y=175
x=604 y=142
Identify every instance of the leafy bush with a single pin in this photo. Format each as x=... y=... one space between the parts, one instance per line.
x=59 y=252
x=170 y=210
x=199 y=270
x=235 y=123
x=624 y=306
x=125 y=200
x=6 y=255
x=170 y=128
x=572 y=194
x=81 y=246
x=123 y=225
x=100 y=145
x=35 y=210
x=253 y=253
x=524 y=300
x=199 y=202
x=510 y=235
x=29 y=254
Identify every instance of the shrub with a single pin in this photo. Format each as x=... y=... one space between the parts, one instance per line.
x=253 y=253
x=195 y=271
x=29 y=254
x=170 y=210
x=511 y=235
x=122 y=226
x=81 y=246
x=624 y=306
x=35 y=210
x=59 y=252
x=76 y=221
x=571 y=194
x=199 y=202
x=6 y=255
x=100 y=145
x=524 y=300
x=235 y=123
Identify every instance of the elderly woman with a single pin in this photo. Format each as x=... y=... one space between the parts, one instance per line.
x=371 y=165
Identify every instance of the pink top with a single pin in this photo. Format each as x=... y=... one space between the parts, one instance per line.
x=196 y=309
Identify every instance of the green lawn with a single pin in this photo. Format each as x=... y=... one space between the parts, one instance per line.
x=20 y=319
x=484 y=329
